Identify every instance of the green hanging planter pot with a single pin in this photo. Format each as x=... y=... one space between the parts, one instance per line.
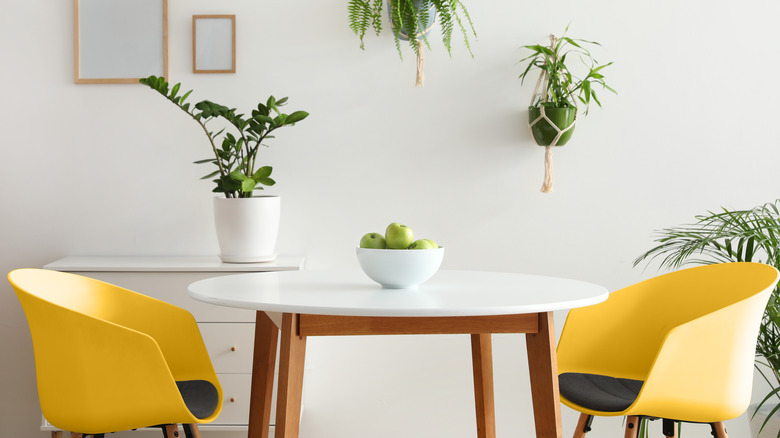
x=544 y=132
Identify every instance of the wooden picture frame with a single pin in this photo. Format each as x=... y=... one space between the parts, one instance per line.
x=213 y=43
x=119 y=41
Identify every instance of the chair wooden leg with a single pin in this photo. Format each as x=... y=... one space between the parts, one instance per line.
x=632 y=426
x=170 y=431
x=76 y=435
x=583 y=425
x=191 y=430
x=56 y=434
x=719 y=430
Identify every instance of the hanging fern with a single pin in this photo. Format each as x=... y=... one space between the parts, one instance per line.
x=411 y=17
x=364 y=14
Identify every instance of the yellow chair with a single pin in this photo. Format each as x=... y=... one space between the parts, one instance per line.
x=108 y=359
x=679 y=347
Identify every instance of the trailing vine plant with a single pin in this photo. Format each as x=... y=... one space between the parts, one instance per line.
x=411 y=20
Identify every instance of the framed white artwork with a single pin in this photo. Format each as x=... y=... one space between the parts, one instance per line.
x=119 y=41
x=213 y=43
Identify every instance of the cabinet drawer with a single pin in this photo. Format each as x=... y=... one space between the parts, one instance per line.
x=230 y=346
x=235 y=407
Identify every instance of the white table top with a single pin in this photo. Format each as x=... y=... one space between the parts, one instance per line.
x=352 y=293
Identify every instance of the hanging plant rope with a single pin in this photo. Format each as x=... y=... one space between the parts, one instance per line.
x=424 y=22
x=420 y=82
x=547 y=184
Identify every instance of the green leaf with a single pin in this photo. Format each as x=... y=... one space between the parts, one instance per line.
x=262 y=173
x=243 y=182
x=570 y=41
x=587 y=91
x=266 y=181
x=211 y=175
x=263 y=118
x=297 y=116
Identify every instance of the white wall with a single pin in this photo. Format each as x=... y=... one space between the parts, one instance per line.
x=106 y=169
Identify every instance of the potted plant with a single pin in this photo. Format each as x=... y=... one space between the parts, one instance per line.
x=411 y=20
x=247 y=225
x=553 y=110
x=735 y=236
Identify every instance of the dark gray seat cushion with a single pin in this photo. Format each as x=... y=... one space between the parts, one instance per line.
x=599 y=393
x=200 y=396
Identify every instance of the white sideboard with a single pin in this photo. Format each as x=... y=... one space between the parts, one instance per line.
x=228 y=333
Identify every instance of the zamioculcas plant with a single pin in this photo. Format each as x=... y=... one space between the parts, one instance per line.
x=238 y=173
x=411 y=20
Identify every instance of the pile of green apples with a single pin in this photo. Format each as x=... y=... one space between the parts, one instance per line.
x=397 y=236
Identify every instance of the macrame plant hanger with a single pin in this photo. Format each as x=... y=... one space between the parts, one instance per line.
x=547 y=184
x=420 y=82
x=420 y=64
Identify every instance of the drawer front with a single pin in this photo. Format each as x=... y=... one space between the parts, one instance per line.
x=230 y=346
x=171 y=287
x=235 y=407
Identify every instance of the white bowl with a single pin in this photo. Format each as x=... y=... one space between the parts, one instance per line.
x=400 y=268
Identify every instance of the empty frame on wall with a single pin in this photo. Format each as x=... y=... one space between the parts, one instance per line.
x=119 y=41
x=213 y=43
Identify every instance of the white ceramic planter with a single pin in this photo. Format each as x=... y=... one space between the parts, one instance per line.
x=247 y=228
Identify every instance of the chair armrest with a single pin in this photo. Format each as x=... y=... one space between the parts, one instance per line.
x=175 y=331
x=690 y=376
x=105 y=378
x=606 y=339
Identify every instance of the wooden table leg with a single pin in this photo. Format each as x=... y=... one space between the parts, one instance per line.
x=543 y=370
x=482 y=362
x=291 y=358
x=263 y=367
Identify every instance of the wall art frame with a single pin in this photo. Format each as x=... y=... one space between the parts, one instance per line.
x=214 y=43
x=119 y=41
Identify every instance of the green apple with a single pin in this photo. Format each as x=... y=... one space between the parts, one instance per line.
x=373 y=240
x=398 y=236
x=423 y=244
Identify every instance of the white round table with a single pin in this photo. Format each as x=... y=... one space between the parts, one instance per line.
x=333 y=303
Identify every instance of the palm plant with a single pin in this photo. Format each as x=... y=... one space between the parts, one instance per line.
x=733 y=236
